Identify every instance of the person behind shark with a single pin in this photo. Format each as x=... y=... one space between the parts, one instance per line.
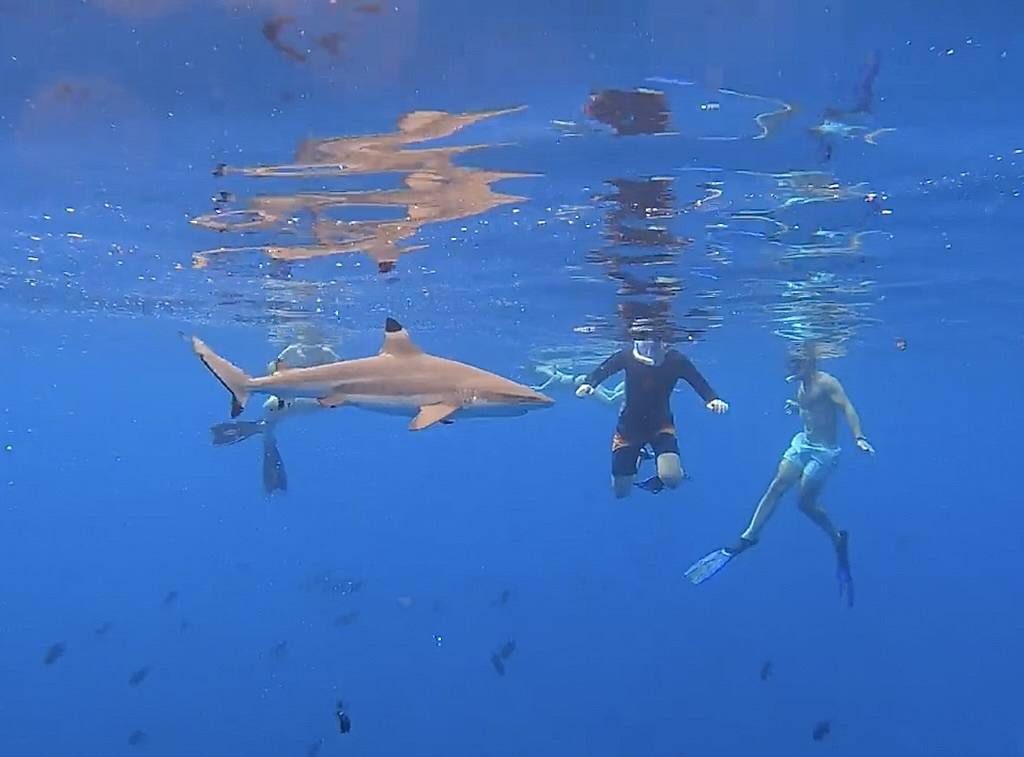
x=652 y=370
x=275 y=410
x=401 y=379
x=812 y=456
x=558 y=377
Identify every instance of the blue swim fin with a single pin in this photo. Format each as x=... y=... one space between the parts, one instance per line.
x=713 y=562
x=708 y=565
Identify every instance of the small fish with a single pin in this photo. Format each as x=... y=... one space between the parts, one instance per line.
x=55 y=652
x=170 y=599
x=104 y=629
x=499 y=666
x=347 y=619
x=821 y=730
x=507 y=649
x=137 y=738
x=331 y=43
x=766 y=670
x=344 y=722
x=138 y=676
x=502 y=599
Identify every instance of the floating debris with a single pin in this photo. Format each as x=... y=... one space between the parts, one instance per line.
x=901 y=344
x=344 y=722
x=55 y=652
x=766 y=671
x=821 y=730
x=137 y=738
x=312 y=750
x=347 y=619
x=272 y=32
x=138 y=676
x=372 y=9
x=498 y=664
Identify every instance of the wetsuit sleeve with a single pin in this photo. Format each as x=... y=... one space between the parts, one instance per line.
x=687 y=371
x=609 y=367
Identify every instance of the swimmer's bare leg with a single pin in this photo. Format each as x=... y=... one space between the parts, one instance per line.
x=670 y=469
x=787 y=475
x=810 y=488
x=622 y=486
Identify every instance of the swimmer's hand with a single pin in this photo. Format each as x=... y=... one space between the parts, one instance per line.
x=718 y=407
x=864 y=445
x=792 y=406
x=584 y=390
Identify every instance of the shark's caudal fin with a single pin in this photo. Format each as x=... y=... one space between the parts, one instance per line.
x=233 y=432
x=234 y=379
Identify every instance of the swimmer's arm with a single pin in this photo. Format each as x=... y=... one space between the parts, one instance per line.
x=609 y=367
x=837 y=394
x=688 y=372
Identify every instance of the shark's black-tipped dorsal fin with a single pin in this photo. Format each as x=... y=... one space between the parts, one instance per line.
x=397 y=342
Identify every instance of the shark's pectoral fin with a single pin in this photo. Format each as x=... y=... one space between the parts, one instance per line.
x=332 y=400
x=431 y=414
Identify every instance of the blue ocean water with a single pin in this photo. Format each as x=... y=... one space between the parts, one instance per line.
x=274 y=172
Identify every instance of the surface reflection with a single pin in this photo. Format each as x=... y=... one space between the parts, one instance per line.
x=434 y=190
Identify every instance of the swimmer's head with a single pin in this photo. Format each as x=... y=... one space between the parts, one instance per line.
x=649 y=351
x=803 y=360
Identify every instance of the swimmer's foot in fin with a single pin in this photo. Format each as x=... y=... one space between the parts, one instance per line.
x=275 y=478
x=654 y=485
x=843 y=574
x=713 y=562
x=235 y=431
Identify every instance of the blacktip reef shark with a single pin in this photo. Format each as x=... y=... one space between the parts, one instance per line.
x=400 y=380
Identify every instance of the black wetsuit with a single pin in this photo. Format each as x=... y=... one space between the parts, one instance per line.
x=646 y=417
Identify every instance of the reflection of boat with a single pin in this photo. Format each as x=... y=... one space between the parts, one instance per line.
x=434 y=190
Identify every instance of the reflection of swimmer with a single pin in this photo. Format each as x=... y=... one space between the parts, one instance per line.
x=558 y=377
x=652 y=370
x=275 y=410
x=628 y=112
x=812 y=456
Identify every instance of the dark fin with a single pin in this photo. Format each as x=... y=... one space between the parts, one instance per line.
x=235 y=431
x=233 y=378
x=274 y=476
x=397 y=342
x=843 y=573
x=654 y=485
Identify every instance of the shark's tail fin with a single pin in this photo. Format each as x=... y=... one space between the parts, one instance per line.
x=274 y=476
x=234 y=379
x=233 y=432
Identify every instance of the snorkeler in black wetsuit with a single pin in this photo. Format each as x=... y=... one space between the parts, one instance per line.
x=652 y=371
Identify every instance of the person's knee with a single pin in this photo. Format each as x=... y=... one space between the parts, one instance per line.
x=622 y=486
x=670 y=469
